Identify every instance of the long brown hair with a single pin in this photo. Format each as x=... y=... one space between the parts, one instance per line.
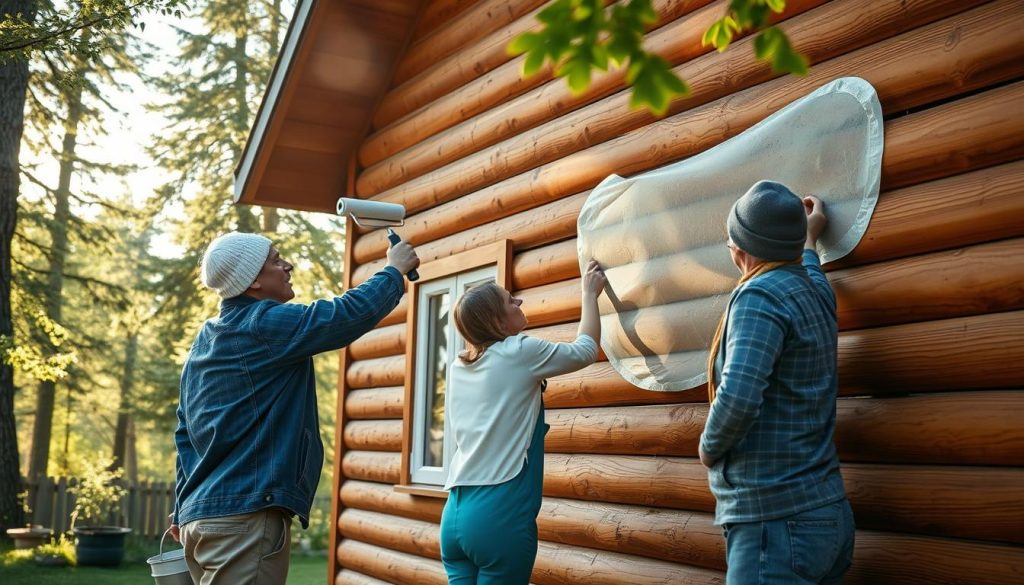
x=716 y=341
x=478 y=317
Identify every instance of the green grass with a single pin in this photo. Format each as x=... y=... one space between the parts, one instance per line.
x=15 y=569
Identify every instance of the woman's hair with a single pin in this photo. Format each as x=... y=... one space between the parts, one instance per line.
x=478 y=317
x=716 y=341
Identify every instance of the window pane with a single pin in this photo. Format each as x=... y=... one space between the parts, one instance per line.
x=437 y=373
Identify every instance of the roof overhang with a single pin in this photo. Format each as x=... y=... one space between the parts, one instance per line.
x=334 y=67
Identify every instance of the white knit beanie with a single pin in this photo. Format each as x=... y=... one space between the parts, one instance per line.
x=233 y=261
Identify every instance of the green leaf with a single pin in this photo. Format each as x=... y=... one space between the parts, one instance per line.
x=533 y=63
x=599 y=56
x=776 y=5
x=719 y=34
x=524 y=42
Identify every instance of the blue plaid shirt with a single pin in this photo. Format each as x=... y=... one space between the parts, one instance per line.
x=248 y=434
x=769 y=431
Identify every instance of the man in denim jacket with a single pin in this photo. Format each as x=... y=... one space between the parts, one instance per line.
x=248 y=436
x=767 y=443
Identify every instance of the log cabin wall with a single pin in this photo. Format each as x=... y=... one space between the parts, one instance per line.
x=931 y=304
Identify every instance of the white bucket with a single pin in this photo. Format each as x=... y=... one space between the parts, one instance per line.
x=169 y=568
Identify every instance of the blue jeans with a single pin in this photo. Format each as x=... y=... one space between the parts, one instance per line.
x=815 y=546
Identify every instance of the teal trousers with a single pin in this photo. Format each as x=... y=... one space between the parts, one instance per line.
x=489 y=532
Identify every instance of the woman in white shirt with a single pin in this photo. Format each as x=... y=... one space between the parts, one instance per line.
x=496 y=416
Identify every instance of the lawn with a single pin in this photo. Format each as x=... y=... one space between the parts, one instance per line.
x=305 y=570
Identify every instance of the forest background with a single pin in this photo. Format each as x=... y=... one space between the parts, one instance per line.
x=126 y=174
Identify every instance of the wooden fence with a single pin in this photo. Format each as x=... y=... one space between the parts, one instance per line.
x=144 y=508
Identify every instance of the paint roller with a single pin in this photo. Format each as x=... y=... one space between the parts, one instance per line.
x=376 y=214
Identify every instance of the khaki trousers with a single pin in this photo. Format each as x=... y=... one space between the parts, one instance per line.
x=248 y=549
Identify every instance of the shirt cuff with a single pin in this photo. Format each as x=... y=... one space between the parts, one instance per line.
x=396 y=276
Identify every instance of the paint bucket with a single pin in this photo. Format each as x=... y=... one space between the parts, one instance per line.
x=169 y=568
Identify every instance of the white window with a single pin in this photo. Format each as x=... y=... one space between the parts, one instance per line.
x=437 y=346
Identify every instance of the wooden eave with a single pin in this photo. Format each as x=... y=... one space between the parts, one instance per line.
x=335 y=64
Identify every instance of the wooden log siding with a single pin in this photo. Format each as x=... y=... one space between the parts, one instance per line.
x=678 y=42
x=349 y=577
x=964 y=428
x=374 y=435
x=984 y=137
x=907 y=71
x=879 y=63
x=916 y=357
x=436 y=13
x=689 y=537
x=393 y=566
x=380 y=342
x=459 y=33
x=375 y=403
x=978 y=279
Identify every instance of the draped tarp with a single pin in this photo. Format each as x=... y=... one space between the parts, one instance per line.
x=660 y=235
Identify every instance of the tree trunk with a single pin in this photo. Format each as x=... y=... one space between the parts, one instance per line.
x=43 y=427
x=13 y=85
x=121 y=434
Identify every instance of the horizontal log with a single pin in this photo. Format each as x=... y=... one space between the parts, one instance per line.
x=436 y=13
x=966 y=428
x=879 y=558
x=349 y=577
x=552 y=303
x=479 y=74
x=704 y=127
x=986 y=278
x=904 y=559
x=373 y=435
x=380 y=342
x=546 y=265
x=563 y=564
x=611 y=117
x=600 y=385
x=973 y=207
x=962 y=428
x=374 y=403
x=378 y=497
x=377 y=372
x=394 y=567
x=983 y=503
x=392 y=532
x=659 y=482
x=952 y=354
x=688 y=538
x=372 y=466
x=472 y=24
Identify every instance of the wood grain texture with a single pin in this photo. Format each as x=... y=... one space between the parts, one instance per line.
x=373 y=403
x=373 y=435
x=989 y=136
x=392 y=566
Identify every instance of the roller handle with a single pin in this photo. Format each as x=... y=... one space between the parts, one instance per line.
x=412 y=275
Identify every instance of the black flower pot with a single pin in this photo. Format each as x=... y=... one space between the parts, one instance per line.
x=100 y=546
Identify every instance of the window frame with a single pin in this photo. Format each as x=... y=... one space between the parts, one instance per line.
x=455 y=269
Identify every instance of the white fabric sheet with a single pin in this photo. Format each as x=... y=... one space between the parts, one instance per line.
x=660 y=235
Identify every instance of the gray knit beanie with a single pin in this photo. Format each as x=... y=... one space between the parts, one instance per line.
x=233 y=261
x=769 y=222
